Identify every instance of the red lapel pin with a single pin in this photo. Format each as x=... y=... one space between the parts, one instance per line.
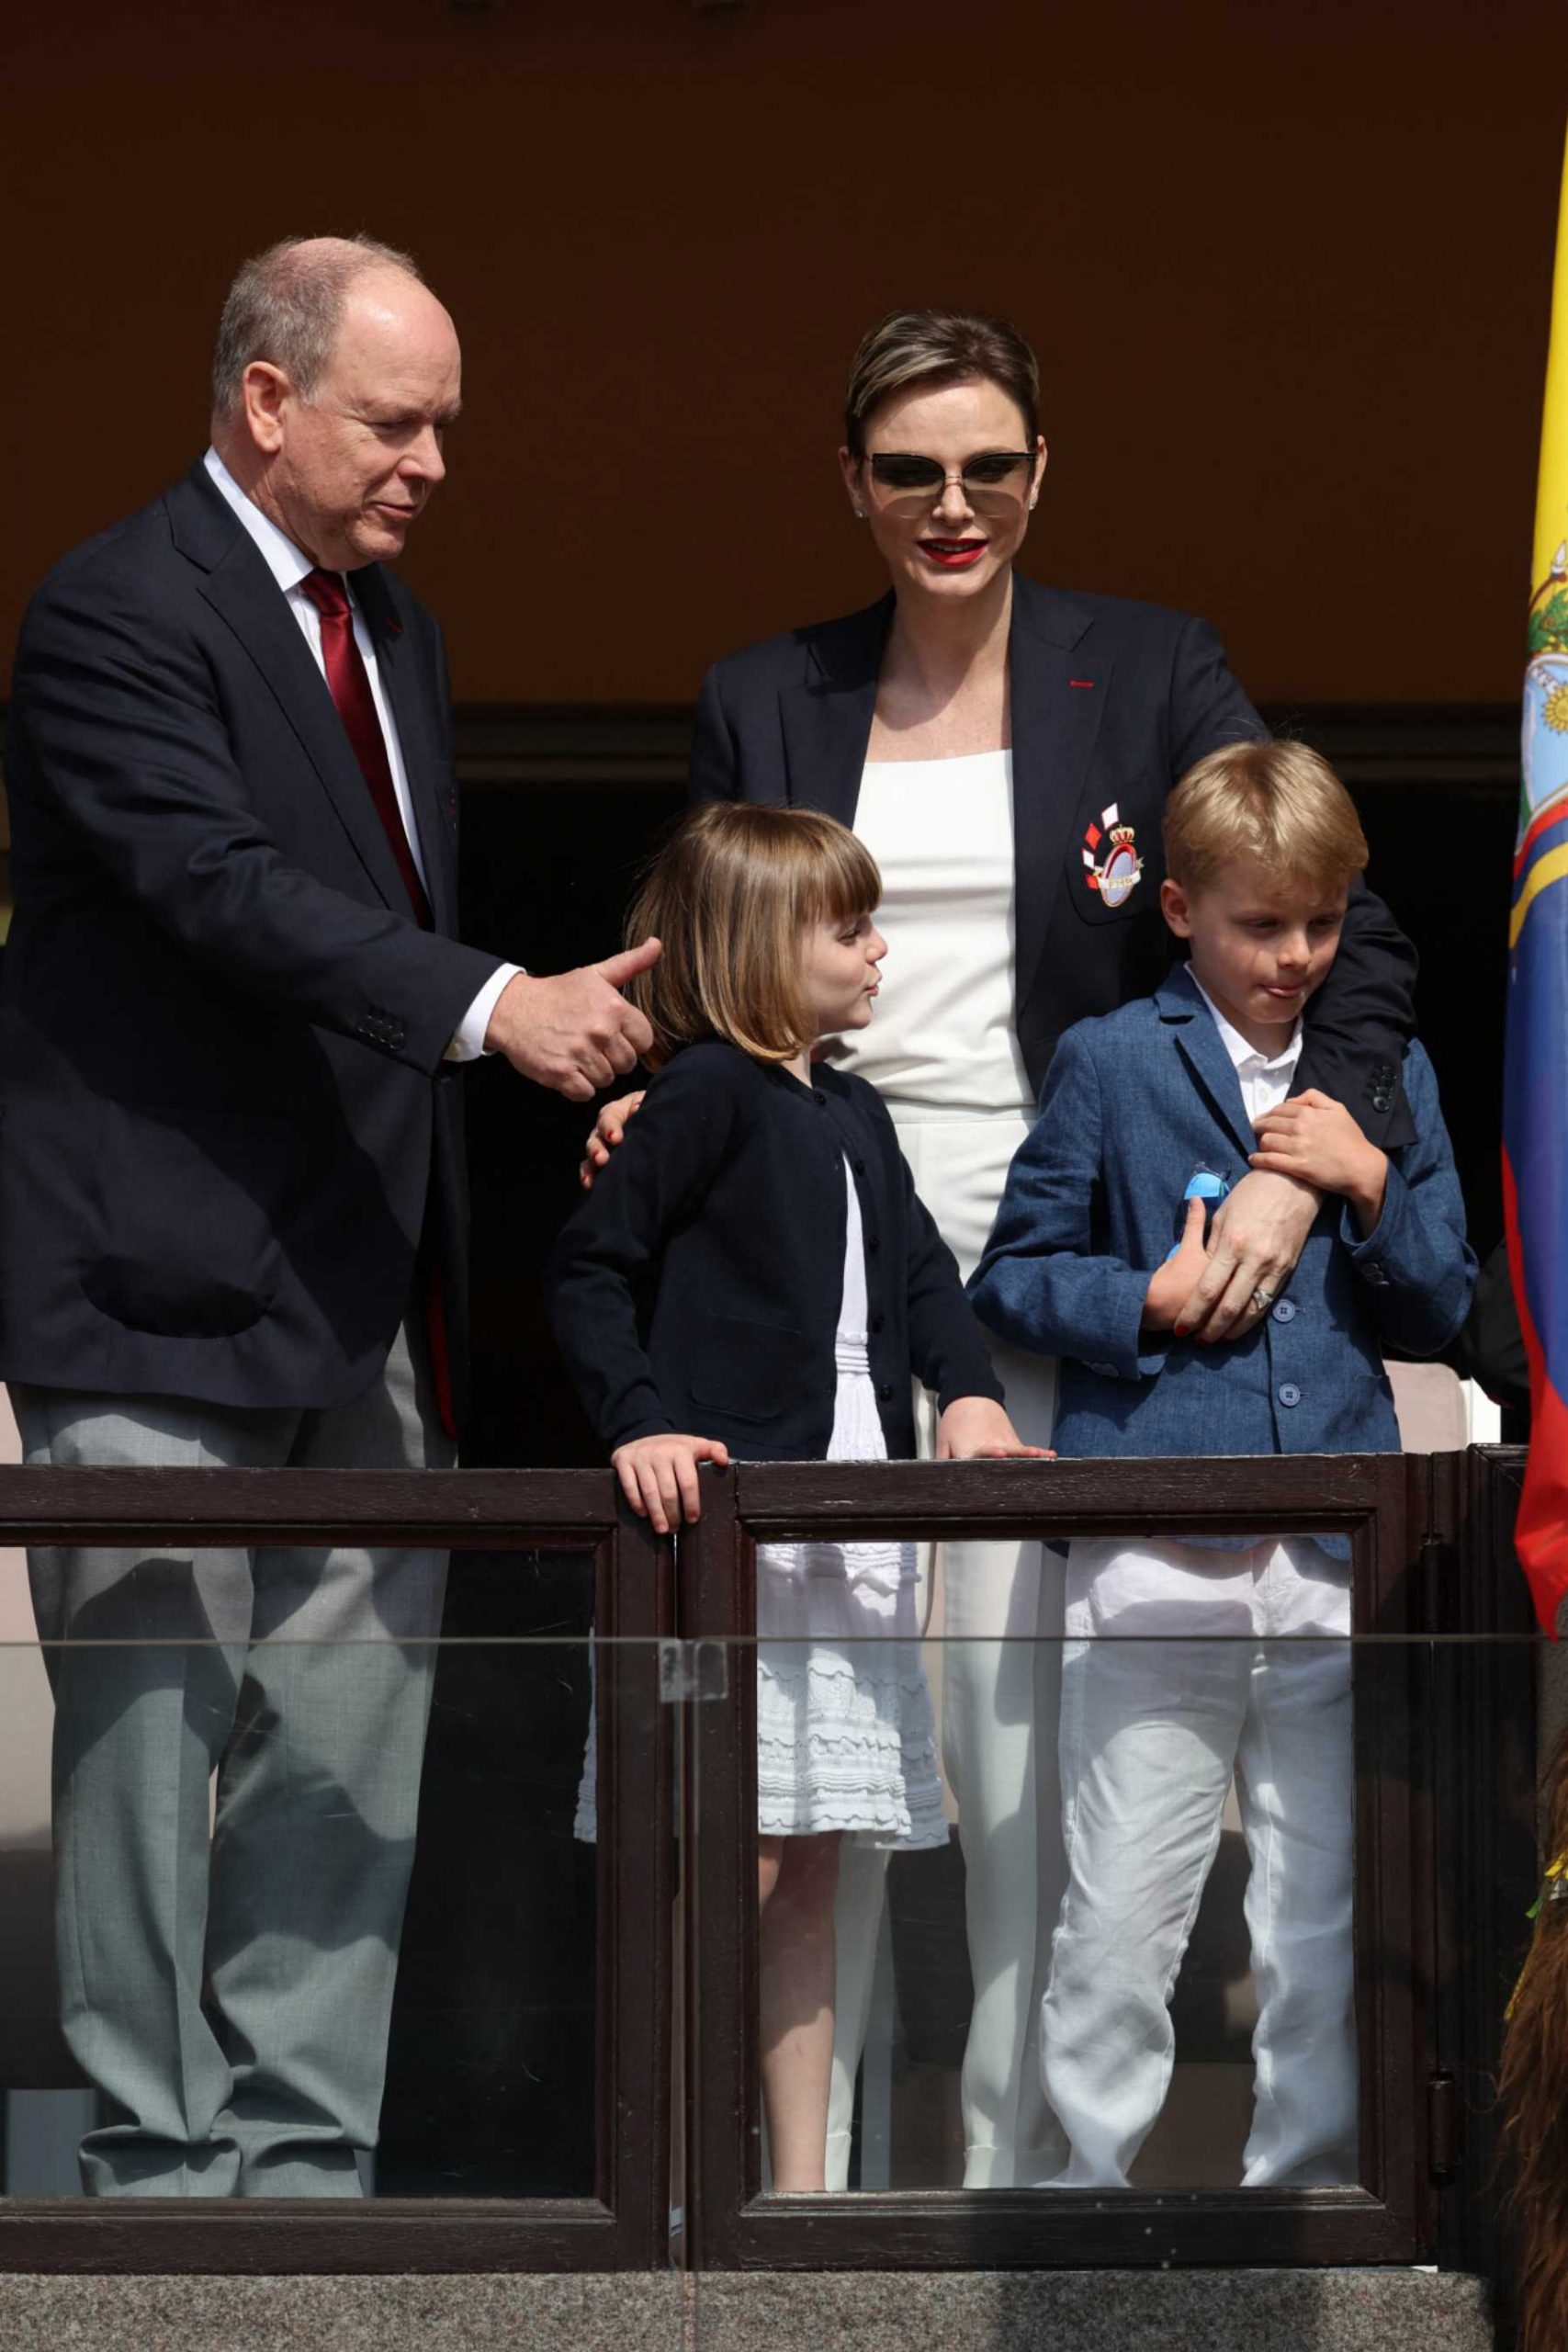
x=1080 y=682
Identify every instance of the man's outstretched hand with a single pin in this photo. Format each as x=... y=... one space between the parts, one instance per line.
x=574 y=1031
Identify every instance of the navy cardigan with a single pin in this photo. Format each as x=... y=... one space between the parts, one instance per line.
x=698 y=1287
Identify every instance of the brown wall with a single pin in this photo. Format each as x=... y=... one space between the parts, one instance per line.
x=1287 y=267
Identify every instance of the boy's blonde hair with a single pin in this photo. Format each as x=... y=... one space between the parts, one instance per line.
x=731 y=895
x=1280 y=803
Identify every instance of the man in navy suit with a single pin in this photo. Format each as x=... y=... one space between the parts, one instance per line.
x=232 y=1213
x=1186 y=1662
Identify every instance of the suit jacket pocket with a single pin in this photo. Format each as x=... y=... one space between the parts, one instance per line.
x=193 y=1202
x=748 y=1370
x=1116 y=859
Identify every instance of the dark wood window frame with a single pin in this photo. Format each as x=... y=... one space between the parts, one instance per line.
x=1386 y=1505
x=624 y=2226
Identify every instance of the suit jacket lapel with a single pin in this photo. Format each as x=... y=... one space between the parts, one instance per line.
x=242 y=591
x=1198 y=1042
x=827 y=720
x=1054 y=723
x=409 y=701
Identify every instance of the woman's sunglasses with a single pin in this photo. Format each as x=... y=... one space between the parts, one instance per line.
x=995 y=477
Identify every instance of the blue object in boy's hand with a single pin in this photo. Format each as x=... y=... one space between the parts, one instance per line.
x=1204 y=1184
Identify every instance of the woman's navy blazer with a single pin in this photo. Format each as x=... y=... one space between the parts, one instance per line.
x=698 y=1287
x=1111 y=702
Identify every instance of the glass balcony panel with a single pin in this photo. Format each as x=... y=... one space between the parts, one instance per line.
x=1056 y=1863
x=325 y=1920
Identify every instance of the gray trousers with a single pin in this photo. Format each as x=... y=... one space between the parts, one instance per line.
x=226 y=1975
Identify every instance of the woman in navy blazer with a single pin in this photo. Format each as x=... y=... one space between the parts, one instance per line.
x=1101 y=705
x=1005 y=750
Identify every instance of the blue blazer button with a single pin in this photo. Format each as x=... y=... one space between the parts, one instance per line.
x=1290 y=1394
x=1285 y=1311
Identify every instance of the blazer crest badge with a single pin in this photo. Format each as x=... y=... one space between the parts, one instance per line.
x=1115 y=874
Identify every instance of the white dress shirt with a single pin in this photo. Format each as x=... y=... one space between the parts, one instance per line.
x=1265 y=1080
x=289 y=567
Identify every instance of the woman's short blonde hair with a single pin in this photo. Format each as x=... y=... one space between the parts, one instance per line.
x=1278 y=802
x=731 y=895
x=937 y=347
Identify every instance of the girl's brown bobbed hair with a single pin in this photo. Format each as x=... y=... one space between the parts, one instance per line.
x=730 y=896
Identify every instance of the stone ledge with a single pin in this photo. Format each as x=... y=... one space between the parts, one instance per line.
x=1094 y=2311
x=1061 y=2311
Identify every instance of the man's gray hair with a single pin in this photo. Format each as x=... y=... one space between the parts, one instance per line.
x=285 y=306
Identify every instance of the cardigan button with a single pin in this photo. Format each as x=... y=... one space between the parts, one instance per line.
x=819 y=1097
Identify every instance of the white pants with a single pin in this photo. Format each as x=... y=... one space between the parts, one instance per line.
x=1152 y=1731
x=1000 y=1684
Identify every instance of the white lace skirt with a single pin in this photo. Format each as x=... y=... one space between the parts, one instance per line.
x=846 y=1739
x=845 y=1735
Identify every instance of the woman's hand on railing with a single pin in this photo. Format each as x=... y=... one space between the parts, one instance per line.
x=978 y=1426
x=658 y=1476
x=609 y=1129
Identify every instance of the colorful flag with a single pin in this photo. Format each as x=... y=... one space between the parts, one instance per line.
x=1535 y=1084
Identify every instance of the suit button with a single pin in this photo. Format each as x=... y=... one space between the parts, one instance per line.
x=859 y=1167
x=819 y=1097
x=1290 y=1394
x=885 y=1392
x=879 y=1322
x=1285 y=1311
x=872 y=1244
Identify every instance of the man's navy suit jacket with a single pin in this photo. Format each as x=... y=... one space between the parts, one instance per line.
x=226 y=1110
x=1111 y=702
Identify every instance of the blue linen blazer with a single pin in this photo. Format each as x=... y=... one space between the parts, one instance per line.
x=1132 y=1104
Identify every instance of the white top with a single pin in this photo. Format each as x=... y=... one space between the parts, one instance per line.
x=943 y=1034
x=1264 y=1082
x=849 y=1339
x=288 y=566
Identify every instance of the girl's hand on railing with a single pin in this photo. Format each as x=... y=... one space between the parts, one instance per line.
x=658 y=1476
x=978 y=1426
x=609 y=1129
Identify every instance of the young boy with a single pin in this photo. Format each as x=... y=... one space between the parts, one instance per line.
x=1170 y=1100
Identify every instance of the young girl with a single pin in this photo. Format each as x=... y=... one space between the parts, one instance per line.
x=753 y=1274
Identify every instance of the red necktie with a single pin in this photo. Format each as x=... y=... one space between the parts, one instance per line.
x=349 y=685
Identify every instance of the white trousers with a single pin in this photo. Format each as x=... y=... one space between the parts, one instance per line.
x=1152 y=1731
x=1002 y=1606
